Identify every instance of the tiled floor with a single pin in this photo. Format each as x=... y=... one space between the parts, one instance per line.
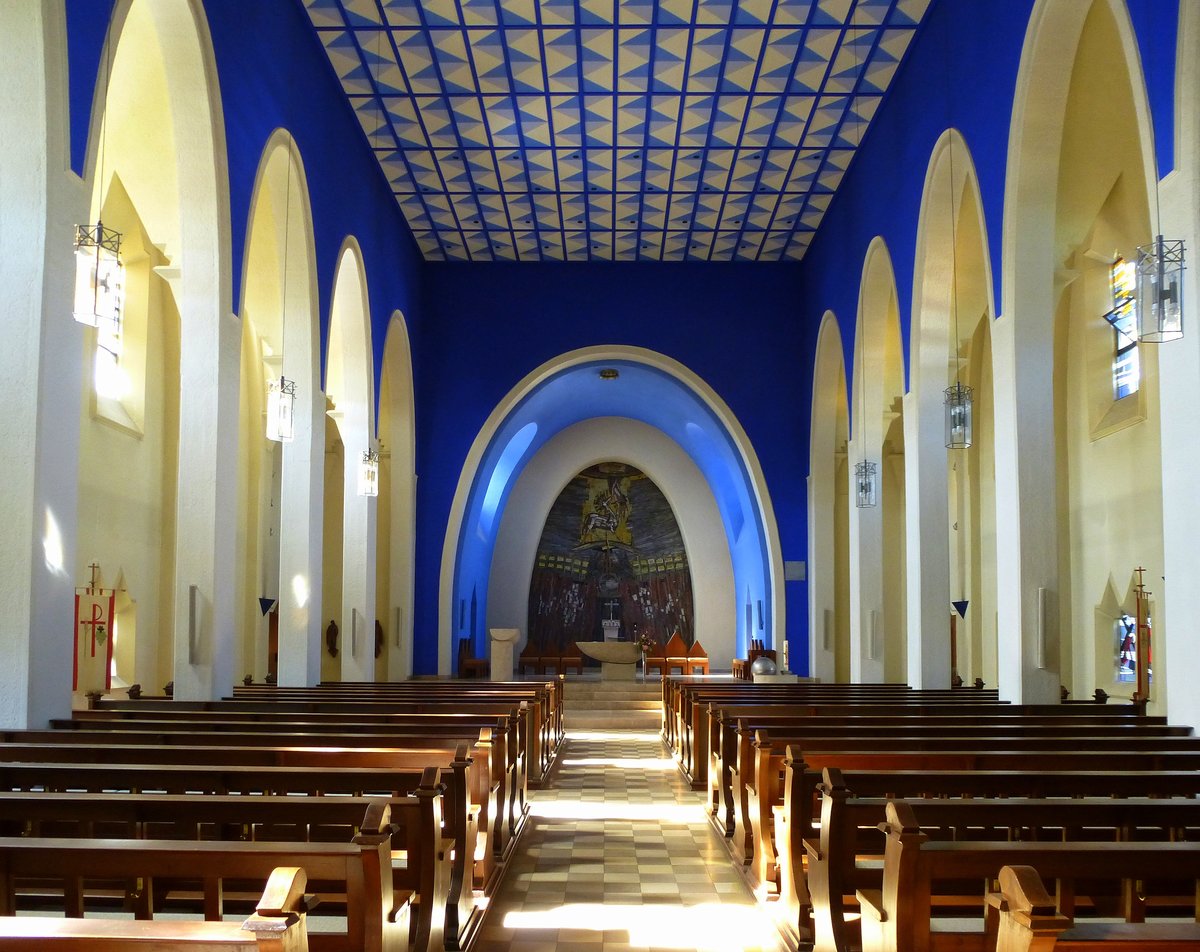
x=619 y=856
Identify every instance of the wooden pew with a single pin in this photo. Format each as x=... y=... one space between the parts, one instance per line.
x=757 y=785
x=493 y=778
x=508 y=737
x=421 y=855
x=539 y=742
x=1029 y=922
x=360 y=870
x=328 y=783
x=850 y=829
x=754 y=842
x=898 y=917
x=277 y=925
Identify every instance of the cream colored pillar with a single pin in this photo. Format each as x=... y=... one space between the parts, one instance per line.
x=301 y=533
x=1026 y=504
x=927 y=550
x=867 y=632
x=822 y=579
x=357 y=653
x=1179 y=395
x=40 y=369
x=205 y=530
x=402 y=538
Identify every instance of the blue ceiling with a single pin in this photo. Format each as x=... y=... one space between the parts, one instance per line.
x=704 y=130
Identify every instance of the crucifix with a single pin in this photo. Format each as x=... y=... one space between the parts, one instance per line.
x=1142 y=644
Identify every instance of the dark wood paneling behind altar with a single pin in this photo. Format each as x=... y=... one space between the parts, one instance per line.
x=611 y=548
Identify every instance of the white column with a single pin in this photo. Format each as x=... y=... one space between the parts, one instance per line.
x=402 y=537
x=1179 y=394
x=357 y=641
x=822 y=575
x=927 y=548
x=40 y=370
x=1026 y=506
x=866 y=581
x=204 y=639
x=301 y=531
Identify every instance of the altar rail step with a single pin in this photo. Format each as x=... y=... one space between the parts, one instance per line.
x=612 y=705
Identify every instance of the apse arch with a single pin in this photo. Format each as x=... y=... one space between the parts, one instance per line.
x=828 y=499
x=649 y=387
x=616 y=439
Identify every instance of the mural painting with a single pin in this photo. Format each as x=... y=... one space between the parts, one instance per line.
x=610 y=551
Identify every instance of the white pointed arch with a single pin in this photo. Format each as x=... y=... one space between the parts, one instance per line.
x=828 y=501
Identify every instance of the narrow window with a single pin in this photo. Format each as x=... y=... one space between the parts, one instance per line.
x=1127 y=370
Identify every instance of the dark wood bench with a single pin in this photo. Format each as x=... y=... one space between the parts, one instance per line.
x=1029 y=922
x=277 y=925
x=493 y=779
x=850 y=831
x=420 y=853
x=329 y=781
x=359 y=871
x=899 y=917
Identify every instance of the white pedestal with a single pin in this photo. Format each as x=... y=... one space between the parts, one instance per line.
x=503 y=642
x=611 y=629
x=776 y=678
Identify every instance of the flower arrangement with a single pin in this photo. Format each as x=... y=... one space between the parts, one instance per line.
x=646 y=643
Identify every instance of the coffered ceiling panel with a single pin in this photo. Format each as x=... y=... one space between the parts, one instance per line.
x=707 y=130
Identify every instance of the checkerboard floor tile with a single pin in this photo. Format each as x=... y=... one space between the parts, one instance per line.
x=619 y=856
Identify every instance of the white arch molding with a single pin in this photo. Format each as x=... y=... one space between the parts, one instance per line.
x=398 y=482
x=350 y=384
x=828 y=601
x=671 y=469
x=200 y=280
x=41 y=367
x=1179 y=381
x=1023 y=336
x=281 y=184
x=606 y=352
x=951 y=191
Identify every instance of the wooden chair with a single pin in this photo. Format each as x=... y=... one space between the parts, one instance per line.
x=530 y=658
x=677 y=651
x=468 y=665
x=697 y=660
x=571 y=658
x=549 y=660
x=656 y=660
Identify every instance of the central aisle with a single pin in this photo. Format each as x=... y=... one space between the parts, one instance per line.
x=618 y=855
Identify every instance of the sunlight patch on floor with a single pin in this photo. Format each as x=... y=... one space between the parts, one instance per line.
x=623 y=763
x=579 y=810
x=715 y=926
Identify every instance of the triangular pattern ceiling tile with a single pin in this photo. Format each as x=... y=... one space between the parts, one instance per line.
x=521 y=130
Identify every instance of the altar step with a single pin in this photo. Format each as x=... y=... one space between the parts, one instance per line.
x=612 y=705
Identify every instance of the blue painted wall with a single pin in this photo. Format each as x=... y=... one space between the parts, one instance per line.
x=735 y=325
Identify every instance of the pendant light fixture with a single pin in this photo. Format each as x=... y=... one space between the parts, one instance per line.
x=1160 y=285
x=99 y=273
x=368 y=473
x=959 y=422
x=864 y=470
x=281 y=392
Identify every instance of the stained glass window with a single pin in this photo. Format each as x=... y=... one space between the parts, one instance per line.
x=1127 y=370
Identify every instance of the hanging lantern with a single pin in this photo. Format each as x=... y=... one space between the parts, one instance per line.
x=99 y=277
x=958 y=416
x=281 y=410
x=1160 y=291
x=864 y=484
x=368 y=474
